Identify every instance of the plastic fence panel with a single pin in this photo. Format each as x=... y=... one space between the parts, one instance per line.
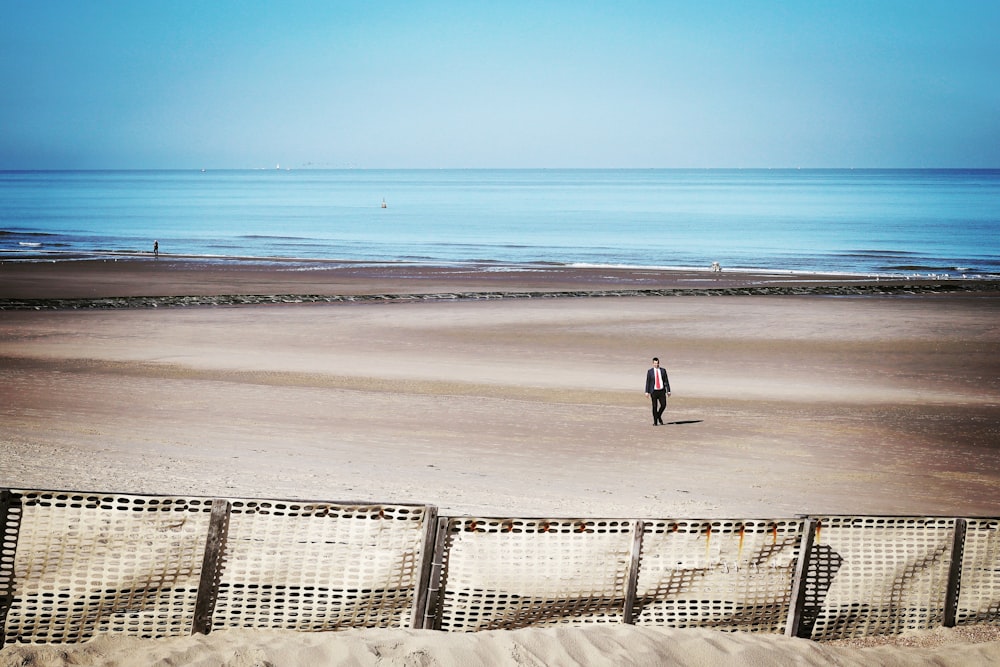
x=979 y=594
x=87 y=563
x=877 y=576
x=74 y=564
x=517 y=573
x=724 y=574
x=318 y=566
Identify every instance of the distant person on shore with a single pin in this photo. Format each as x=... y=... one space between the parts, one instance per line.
x=156 y=248
x=657 y=390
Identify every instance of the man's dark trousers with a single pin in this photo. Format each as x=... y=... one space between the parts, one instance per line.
x=659 y=399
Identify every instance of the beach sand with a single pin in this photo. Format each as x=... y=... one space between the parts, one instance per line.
x=781 y=405
x=599 y=646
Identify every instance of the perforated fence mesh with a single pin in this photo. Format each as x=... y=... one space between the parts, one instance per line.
x=979 y=595
x=877 y=576
x=75 y=564
x=316 y=566
x=91 y=563
x=516 y=573
x=731 y=575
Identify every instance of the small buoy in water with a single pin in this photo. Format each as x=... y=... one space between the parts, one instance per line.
x=383 y=204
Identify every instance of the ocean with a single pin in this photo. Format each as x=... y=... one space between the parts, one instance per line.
x=885 y=222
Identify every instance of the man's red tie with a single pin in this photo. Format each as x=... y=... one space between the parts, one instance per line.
x=659 y=378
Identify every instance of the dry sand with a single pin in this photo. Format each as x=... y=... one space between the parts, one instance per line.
x=518 y=407
x=594 y=646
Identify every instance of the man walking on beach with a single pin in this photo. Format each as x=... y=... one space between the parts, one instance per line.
x=657 y=389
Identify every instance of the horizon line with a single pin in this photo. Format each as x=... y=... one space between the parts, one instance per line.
x=349 y=168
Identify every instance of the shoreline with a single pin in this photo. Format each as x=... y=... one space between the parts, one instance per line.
x=897 y=273
x=294 y=298
x=141 y=281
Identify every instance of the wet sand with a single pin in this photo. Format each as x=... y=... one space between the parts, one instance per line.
x=781 y=405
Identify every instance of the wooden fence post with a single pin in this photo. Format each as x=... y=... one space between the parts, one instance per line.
x=426 y=568
x=211 y=567
x=10 y=524
x=955 y=574
x=798 y=594
x=432 y=620
x=633 y=572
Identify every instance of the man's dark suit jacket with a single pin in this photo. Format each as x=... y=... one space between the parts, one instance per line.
x=651 y=379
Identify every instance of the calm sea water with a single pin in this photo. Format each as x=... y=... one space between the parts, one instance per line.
x=853 y=221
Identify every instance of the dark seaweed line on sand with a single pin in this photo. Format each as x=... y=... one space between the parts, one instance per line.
x=108 y=303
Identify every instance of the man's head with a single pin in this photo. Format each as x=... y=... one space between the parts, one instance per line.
x=656 y=362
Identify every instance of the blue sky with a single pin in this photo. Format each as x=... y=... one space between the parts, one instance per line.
x=243 y=84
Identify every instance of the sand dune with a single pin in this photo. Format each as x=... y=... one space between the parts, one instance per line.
x=545 y=647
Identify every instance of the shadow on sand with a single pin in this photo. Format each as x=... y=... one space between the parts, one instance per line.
x=689 y=421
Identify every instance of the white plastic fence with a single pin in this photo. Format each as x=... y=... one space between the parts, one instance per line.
x=76 y=564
